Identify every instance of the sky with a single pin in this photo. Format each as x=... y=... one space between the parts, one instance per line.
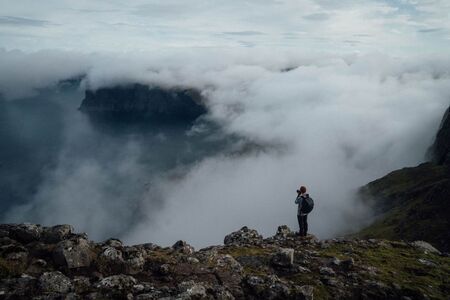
x=397 y=27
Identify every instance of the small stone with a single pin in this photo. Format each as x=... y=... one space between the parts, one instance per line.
x=348 y=263
x=427 y=262
x=164 y=269
x=284 y=257
x=425 y=247
x=304 y=292
x=54 y=282
x=192 y=290
x=74 y=254
x=81 y=284
x=117 y=282
x=228 y=262
x=183 y=247
x=243 y=236
x=115 y=243
x=283 y=231
x=26 y=233
x=334 y=261
x=326 y=271
x=56 y=233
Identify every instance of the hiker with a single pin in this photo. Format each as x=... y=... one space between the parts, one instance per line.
x=305 y=206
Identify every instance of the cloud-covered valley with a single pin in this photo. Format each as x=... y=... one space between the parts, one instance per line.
x=330 y=122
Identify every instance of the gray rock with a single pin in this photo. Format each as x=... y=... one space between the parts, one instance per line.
x=54 y=282
x=334 y=261
x=425 y=247
x=164 y=269
x=183 y=247
x=348 y=263
x=135 y=261
x=284 y=257
x=191 y=290
x=283 y=232
x=57 y=233
x=74 y=253
x=117 y=282
x=304 y=292
x=228 y=262
x=26 y=232
x=327 y=271
x=115 y=243
x=427 y=262
x=244 y=236
x=81 y=284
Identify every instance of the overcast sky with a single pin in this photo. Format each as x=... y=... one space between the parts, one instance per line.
x=391 y=26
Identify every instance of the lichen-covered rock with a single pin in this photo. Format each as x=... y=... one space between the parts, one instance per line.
x=283 y=232
x=72 y=254
x=57 y=233
x=244 y=236
x=135 y=260
x=192 y=290
x=117 y=282
x=26 y=232
x=227 y=262
x=284 y=257
x=54 y=282
x=115 y=243
x=426 y=247
x=183 y=247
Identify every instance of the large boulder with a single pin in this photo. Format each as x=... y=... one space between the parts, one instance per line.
x=26 y=233
x=77 y=253
x=284 y=258
x=55 y=282
x=243 y=236
x=56 y=233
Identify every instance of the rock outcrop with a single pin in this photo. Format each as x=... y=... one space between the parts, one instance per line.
x=139 y=102
x=440 y=150
x=55 y=263
x=413 y=203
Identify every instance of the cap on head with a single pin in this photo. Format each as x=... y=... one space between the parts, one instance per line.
x=302 y=189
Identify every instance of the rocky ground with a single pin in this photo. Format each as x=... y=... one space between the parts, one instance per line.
x=55 y=263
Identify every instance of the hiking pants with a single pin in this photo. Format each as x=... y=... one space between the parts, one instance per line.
x=303 y=224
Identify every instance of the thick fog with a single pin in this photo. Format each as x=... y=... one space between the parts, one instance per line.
x=275 y=122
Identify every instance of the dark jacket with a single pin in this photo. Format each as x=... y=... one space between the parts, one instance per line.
x=299 y=201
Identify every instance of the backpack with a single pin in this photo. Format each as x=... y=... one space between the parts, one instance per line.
x=307 y=205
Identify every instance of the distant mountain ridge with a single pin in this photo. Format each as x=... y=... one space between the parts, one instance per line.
x=138 y=102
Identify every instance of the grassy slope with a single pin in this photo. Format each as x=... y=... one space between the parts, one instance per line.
x=412 y=204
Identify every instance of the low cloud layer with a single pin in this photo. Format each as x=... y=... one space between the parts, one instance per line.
x=330 y=122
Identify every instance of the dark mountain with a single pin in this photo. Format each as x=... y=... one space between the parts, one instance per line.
x=414 y=203
x=139 y=102
x=440 y=150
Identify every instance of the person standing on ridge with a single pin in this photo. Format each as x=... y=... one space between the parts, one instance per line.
x=305 y=206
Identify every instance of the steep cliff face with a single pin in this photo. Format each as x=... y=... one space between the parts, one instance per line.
x=440 y=150
x=414 y=203
x=142 y=103
x=56 y=263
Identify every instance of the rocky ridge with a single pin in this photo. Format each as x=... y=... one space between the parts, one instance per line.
x=55 y=263
x=142 y=103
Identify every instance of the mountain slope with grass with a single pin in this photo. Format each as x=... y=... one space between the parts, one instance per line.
x=414 y=203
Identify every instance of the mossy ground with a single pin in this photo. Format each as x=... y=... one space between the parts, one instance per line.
x=394 y=263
